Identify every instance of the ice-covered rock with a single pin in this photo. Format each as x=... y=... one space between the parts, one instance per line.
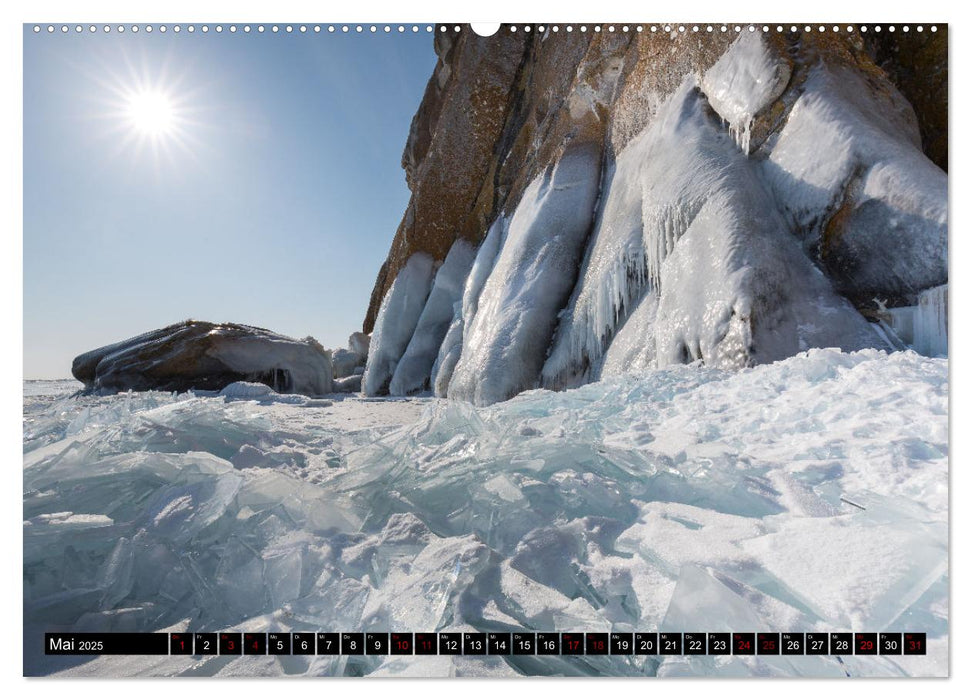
x=359 y=343
x=346 y=362
x=464 y=311
x=804 y=136
x=738 y=291
x=848 y=173
x=206 y=356
x=413 y=371
x=506 y=342
x=451 y=149
x=247 y=390
x=659 y=183
x=689 y=231
x=747 y=78
x=348 y=385
x=396 y=322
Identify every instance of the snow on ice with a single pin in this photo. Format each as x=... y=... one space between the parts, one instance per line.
x=688 y=497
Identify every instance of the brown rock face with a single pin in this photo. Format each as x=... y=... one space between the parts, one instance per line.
x=498 y=110
x=916 y=62
x=451 y=147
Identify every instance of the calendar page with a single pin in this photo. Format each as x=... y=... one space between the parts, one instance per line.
x=607 y=349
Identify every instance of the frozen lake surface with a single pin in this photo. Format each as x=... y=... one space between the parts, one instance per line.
x=685 y=499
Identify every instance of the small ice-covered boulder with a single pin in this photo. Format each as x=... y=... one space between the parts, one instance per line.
x=345 y=362
x=207 y=356
x=247 y=390
x=359 y=343
x=348 y=385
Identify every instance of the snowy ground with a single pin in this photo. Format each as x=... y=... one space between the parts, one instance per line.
x=687 y=499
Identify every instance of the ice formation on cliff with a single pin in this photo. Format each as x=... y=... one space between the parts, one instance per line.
x=397 y=319
x=930 y=323
x=505 y=342
x=414 y=369
x=659 y=183
x=924 y=326
x=685 y=246
x=464 y=312
x=631 y=349
x=736 y=290
x=851 y=157
x=745 y=80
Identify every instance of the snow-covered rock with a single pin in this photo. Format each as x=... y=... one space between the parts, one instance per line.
x=359 y=343
x=345 y=362
x=207 y=356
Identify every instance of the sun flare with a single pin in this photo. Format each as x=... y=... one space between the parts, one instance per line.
x=151 y=112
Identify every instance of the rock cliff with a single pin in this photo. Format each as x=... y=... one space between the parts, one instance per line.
x=637 y=199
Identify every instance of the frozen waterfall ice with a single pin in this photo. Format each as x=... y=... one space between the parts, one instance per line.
x=505 y=342
x=397 y=319
x=413 y=371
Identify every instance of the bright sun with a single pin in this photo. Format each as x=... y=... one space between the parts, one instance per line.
x=151 y=113
x=151 y=117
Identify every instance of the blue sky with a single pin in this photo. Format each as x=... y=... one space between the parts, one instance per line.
x=272 y=201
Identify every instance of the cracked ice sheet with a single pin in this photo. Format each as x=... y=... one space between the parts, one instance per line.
x=685 y=497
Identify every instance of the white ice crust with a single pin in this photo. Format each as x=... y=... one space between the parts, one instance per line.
x=744 y=81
